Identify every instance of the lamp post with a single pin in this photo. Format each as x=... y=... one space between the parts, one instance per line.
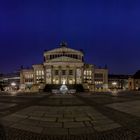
x=114 y=84
x=114 y=92
x=13 y=85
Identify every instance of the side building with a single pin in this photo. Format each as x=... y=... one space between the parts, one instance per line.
x=64 y=64
x=134 y=81
x=10 y=80
x=119 y=82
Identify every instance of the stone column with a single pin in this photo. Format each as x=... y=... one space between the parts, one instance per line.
x=67 y=74
x=75 y=77
x=34 y=76
x=51 y=74
x=82 y=74
x=60 y=74
x=22 y=81
x=45 y=75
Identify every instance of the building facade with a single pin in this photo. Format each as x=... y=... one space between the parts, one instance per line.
x=119 y=82
x=7 y=80
x=134 y=81
x=64 y=65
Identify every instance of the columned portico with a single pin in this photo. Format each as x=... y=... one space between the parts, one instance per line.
x=65 y=64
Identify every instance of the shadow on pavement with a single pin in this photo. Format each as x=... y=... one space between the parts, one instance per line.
x=2 y=133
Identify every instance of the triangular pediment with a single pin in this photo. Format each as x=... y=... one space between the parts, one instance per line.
x=64 y=49
x=64 y=59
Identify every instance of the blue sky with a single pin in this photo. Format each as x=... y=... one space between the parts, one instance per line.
x=107 y=30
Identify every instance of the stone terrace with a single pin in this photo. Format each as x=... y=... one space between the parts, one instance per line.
x=69 y=117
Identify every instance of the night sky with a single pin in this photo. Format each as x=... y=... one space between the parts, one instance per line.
x=107 y=30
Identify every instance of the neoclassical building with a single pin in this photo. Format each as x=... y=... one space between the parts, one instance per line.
x=65 y=64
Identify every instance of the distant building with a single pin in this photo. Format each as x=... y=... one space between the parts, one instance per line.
x=134 y=81
x=64 y=64
x=118 y=81
x=7 y=79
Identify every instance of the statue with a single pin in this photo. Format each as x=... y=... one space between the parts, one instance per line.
x=63 y=44
x=63 y=88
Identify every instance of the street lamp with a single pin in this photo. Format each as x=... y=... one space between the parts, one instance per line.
x=114 y=91
x=13 y=84
x=114 y=83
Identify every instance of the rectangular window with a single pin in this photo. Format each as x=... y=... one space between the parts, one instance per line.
x=63 y=72
x=70 y=72
x=37 y=73
x=85 y=72
x=98 y=75
x=56 y=72
x=42 y=72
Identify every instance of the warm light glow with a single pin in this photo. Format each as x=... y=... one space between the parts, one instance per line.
x=114 y=83
x=13 y=84
x=13 y=93
x=64 y=82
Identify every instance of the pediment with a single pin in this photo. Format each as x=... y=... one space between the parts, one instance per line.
x=64 y=59
x=60 y=50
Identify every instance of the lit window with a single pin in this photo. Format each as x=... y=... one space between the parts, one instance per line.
x=42 y=72
x=37 y=72
x=85 y=73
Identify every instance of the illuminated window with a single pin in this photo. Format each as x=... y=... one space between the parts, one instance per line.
x=85 y=72
x=42 y=72
x=37 y=72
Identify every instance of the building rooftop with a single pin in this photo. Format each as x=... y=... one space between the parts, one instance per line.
x=136 y=75
x=117 y=76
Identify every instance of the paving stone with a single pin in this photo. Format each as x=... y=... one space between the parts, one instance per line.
x=81 y=131
x=22 y=113
x=80 y=119
x=43 y=119
x=73 y=124
x=7 y=105
x=12 y=118
x=68 y=116
x=50 y=119
x=88 y=124
x=55 y=131
x=50 y=124
x=7 y=123
x=65 y=119
x=79 y=115
x=20 y=116
x=103 y=122
x=53 y=116
x=35 y=114
x=131 y=107
x=96 y=118
x=30 y=128
x=30 y=122
x=107 y=127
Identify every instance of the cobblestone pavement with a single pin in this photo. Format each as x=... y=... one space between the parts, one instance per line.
x=68 y=117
